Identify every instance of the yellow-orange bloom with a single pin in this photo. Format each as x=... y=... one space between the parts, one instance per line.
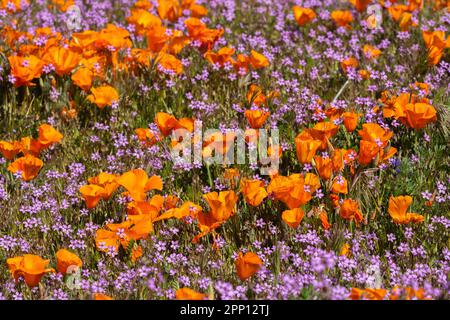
x=64 y=60
x=350 y=120
x=253 y=191
x=349 y=210
x=48 y=135
x=247 y=265
x=66 y=259
x=29 y=167
x=256 y=118
x=92 y=194
x=25 y=69
x=418 y=115
x=29 y=267
x=303 y=15
x=103 y=96
x=342 y=17
x=368 y=294
x=83 y=78
x=107 y=181
x=324 y=167
x=397 y=210
x=221 y=204
x=138 y=183
x=306 y=147
x=293 y=217
x=189 y=294
x=258 y=60
x=101 y=296
x=10 y=149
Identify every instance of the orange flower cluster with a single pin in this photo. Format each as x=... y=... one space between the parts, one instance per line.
x=413 y=111
x=32 y=268
x=396 y=293
x=29 y=165
x=136 y=182
x=241 y=63
x=436 y=43
x=374 y=144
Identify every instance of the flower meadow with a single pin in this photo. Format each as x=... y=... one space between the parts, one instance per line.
x=93 y=205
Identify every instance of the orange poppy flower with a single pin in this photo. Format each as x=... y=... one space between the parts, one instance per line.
x=92 y=194
x=295 y=190
x=306 y=147
x=207 y=224
x=367 y=152
x=10 y=149
x=197 y=30
x=256 y=118
x=257 y=60
x=63 y=5
x=134 y=228
x=48 y=136
x=418 y=115
x=324 y=131
x=293 y=217
x=30 y=146
x=25 y=69
x=107 y=181
x=406 y=21
x=324 y=220
x=345 y=250
x=350 y=211
x=66 y=259
x=247 y=265
x=350 y=120
x=342 y=18
x=138 y=183
x=169 y=10
x=103 y=96
x=221 y=57
x=29 y=167
x=324 y=167
x=253 y=191
x=371 y=52
x=143 y=20
x=303 y=15
x=349 y=63
x=186 y=209
x=221 y=204
x=29 y=267
x=64 y=60
x=368 y=294
x=242 y=63
x=169 y=62
x=360 y=5
x=396 y=11
x=407 y=293
x=189 y=294
x=255 y=95
x=339 y=185
x=166 y=123
x=101 y=296
x=83 y=78
x=198 y=11
x=151 y=207
x=372 y=132
x=397 y=210
x=338 y=159
x=435 y=39
x=147 y=137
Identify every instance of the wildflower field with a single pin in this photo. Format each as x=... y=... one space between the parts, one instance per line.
x=224 y=149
